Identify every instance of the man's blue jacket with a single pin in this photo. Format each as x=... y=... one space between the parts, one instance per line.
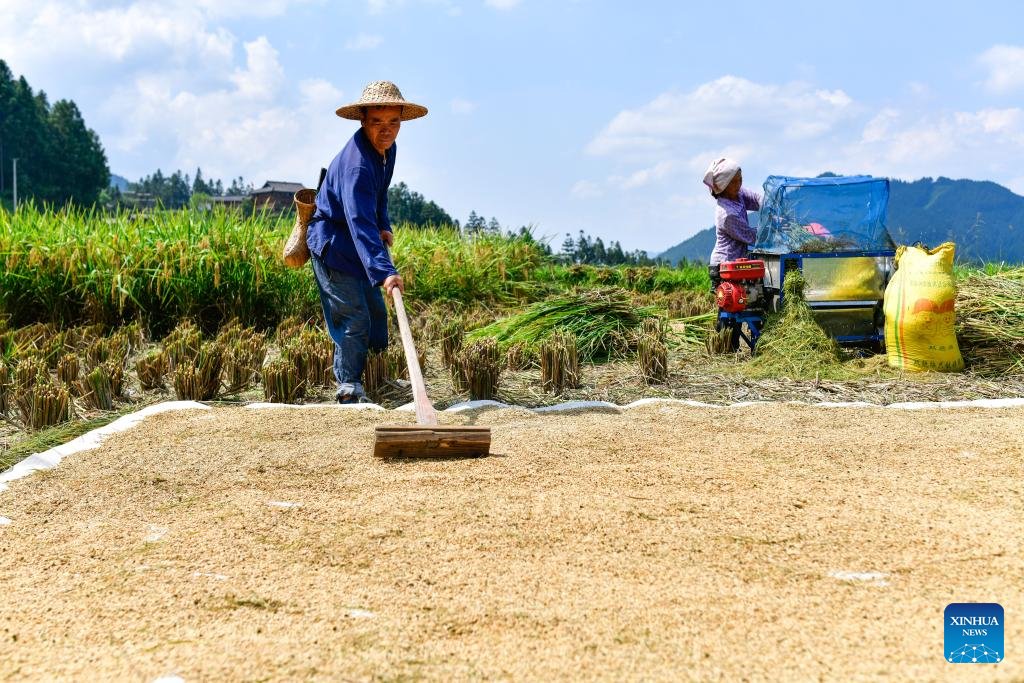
x=352 y=209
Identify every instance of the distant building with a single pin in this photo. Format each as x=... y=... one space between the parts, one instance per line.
x=275 y=195
x=227 y=201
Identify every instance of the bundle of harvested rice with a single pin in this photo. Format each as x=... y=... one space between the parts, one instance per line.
x=559 y=363
x=990 y=321
x=604 y=323
x=793 y=344
x=480 y=365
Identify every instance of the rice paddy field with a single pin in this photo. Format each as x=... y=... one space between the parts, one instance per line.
x=619 y=544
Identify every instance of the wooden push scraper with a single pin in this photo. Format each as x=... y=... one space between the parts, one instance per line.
x=426 y=439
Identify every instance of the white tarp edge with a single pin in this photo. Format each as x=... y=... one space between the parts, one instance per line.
x=52 y=457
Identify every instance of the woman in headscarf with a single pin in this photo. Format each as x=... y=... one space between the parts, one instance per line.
x=733 y=234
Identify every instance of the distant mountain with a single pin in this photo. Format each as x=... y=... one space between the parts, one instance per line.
x=119 y=182
x=698 y=248
x=985 y=219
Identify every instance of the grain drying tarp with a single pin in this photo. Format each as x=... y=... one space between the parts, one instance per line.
x=665 y=542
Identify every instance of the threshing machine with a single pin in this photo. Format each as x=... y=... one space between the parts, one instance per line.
x=832 y=230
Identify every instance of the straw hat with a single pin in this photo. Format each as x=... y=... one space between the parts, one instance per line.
x=382 y=94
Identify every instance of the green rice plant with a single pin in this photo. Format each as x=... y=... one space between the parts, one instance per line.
x=151 y=369
x=641 y=279
x=96 y=388
x=68 y=369
x=77 y=264
x=559 y=363
x=990 y=321
x=200 y=379
x=480 y=363
x=453 y=335
x=43 y=405
x=242 y=362
x=604 y=322
x=281 y=382
x=441 y=264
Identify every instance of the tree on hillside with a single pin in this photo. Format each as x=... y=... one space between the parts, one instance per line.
x=406 y=206
x=239 y=188
x=200 y=186
x=60 y=159
x=475 y=224
x=592 y=251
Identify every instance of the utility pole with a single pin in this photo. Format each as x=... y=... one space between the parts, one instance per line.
x=15 y=184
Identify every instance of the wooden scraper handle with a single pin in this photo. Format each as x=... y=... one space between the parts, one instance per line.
x=425 y=414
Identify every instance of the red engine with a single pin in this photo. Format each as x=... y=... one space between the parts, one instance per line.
x=743 y=284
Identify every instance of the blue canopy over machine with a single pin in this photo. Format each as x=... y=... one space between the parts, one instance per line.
x=832 y=229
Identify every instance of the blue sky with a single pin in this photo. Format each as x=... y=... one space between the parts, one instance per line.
x=564 y=114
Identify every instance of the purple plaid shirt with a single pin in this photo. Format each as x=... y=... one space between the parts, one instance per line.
x=733 y=234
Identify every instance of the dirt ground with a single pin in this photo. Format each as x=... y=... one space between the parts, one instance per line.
x=775 y=542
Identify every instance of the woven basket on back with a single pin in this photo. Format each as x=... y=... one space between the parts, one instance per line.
x=296 y=253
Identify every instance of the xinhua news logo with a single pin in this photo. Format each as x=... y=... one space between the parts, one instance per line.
x=974 y=633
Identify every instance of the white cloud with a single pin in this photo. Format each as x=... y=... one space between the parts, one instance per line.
x=364 y=41
x=646 y=176
x=462 y=106
x=380 y=6
x=586 y=189
x=502 y=4
x=255 y=122
x=729 y=107
x=1005 y=64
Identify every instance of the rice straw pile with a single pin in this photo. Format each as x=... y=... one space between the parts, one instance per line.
x=604 y=322
x=990 y=322
x=793 y=344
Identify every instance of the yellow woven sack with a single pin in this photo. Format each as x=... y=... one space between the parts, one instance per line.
x=919 y=311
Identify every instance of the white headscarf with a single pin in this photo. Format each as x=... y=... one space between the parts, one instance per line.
x=720 y=173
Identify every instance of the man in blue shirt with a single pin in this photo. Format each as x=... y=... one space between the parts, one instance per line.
x=350 y=232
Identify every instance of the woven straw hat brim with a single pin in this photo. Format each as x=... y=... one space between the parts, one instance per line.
x=381 y=94
x=354 y=112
